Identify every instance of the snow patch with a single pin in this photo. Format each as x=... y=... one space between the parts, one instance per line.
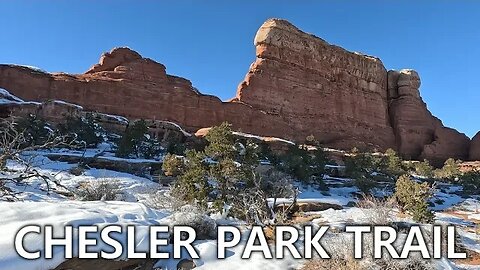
x=247 y=135
x=68 y=104
x=180 y=128
x=16 y=215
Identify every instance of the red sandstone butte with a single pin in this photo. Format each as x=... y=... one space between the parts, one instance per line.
x=299 y=85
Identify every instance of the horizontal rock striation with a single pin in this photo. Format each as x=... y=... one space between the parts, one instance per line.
x=124 y=83
x=418 y=133
x=319 y=89
x=299 y=85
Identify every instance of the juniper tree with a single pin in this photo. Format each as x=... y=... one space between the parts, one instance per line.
x=424 y=169
x=36 y=131
x=137 y=142
x=471 y=182
x=450 y=169
x=192 y=184
x=83 y=130
x=413 y=197
x=392 y=163
x=173 y=165
x=248 y=159
x=220 y=142
x=223 y=151
x=296 y=162
x=360 y=166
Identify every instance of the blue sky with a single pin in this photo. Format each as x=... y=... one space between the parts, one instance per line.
x=211 y=42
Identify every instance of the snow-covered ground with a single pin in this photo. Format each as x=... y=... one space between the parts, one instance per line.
x=58 y=214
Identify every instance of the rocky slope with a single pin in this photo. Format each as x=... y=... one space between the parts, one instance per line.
x=299 y=85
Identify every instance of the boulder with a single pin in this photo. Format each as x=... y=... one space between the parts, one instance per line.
x=447 y=143
x=186 y=264
x=88 y=264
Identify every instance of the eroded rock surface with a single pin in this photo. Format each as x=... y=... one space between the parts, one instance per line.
x=418 y=133
x=318 y=89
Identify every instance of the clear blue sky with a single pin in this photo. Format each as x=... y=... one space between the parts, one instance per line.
x=211 y=42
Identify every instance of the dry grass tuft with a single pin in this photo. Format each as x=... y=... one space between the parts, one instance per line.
x=382 y=209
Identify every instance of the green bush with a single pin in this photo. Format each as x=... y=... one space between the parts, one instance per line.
x=296 y=162
x=248 y=158
x=83 y=131
x=424 y=169
x=173 y=165
x=450 y=170
x=35 y=130
x=224 y=174
x=413 y=197
x=137 y=143
x=364 y=183
x=228 y=163
x=391 y=164
x=361 y=167
x=231 y=162
x=192 y=184
x=220 y=142
x=359 y=164
x=305 y=165
x=471 y=182
x=176 y=148
x=224 y=161
x=266 y=153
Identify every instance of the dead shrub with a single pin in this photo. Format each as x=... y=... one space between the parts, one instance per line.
x=381 y=209
x=163 y=199
x=196 y=218
x=333 y=263
x=77 y=170
x=102 y=190
x=341 y=250
x=413 y=263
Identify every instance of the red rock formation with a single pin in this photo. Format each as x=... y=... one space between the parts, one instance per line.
x=319 y=89
x=418 y=132
x=299 y=85
x=124 y=84
x=475 y=147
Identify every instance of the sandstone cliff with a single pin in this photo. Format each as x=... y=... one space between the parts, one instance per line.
x=475 y=147
x=299 y=85
x=319 y=89
x=418 y=133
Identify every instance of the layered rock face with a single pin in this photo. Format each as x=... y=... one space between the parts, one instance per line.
x=418 y=133
x=349 y=98
x=319 y=89
x=124 y=83
x=299 y=85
